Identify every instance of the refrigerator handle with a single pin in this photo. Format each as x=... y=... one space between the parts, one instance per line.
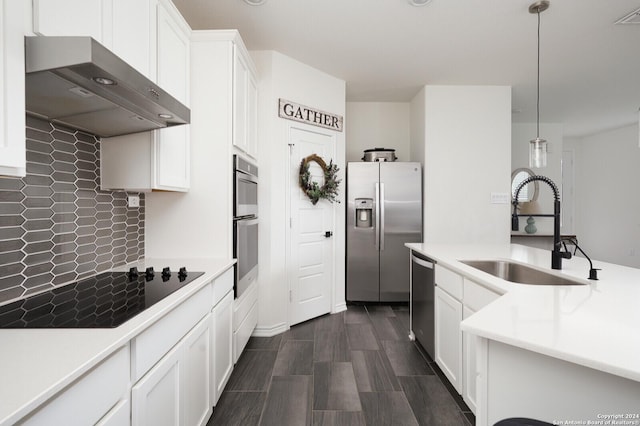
x=377 y=223
x=381 y=216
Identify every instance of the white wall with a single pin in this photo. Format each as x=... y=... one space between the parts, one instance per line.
x=522 y=133
x=607 y=223
x=377 y=125
x=467 y=157
x=416 y=125
x=283 y=77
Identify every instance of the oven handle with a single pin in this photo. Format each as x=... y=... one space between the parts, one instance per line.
x=240 y=175
x=246 y=220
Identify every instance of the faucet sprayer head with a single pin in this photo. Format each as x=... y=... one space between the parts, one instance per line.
x=515 y=225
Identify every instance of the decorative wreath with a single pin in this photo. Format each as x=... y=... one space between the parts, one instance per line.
x=315 y=192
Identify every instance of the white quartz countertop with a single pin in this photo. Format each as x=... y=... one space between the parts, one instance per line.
x=595 y=325
x=35 y=364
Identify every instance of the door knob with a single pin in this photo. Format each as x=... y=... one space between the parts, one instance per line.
x=328 y=234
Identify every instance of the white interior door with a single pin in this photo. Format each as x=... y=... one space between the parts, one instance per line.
x=311 y=249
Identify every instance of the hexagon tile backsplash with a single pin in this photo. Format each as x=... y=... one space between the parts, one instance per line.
x=56 y=225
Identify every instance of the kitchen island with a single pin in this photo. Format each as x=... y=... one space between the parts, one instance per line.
x=47 y=371
x=554 y=353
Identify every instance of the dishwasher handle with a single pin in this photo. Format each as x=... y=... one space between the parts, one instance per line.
x=421 y=262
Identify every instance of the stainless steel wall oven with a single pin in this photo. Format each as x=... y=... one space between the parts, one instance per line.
x=245 y=223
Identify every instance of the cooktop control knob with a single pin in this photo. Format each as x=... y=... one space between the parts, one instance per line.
x=149 y=273
x=166 y=273
x=133 y=273
x=182 y=274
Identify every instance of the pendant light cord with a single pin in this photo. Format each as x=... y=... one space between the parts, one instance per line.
x=538 y=84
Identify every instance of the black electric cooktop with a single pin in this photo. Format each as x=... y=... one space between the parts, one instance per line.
x=104 y=301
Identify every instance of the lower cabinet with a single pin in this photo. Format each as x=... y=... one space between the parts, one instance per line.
x=176 y=389
x=172 y=373
x=198 y=349
x=448 y=344
x=120 y=415
x=94 y=398
x=457 y=298
x=222 y=334
x=245 y=318
x=475 y=297
x=469 y=367
x=156 y=397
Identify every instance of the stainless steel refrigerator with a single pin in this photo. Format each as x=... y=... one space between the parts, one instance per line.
x=384 y=212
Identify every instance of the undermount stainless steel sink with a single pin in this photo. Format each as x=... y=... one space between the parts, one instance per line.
x=519 y=273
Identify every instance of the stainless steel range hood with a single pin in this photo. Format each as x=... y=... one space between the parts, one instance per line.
x=81 y=84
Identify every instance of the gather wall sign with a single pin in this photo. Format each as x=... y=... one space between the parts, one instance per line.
x=304 y=114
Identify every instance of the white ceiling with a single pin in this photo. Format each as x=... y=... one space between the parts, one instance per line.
x=387 y=49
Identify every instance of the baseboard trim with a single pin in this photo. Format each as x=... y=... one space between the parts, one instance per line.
x=270 y=331
x=339 y=307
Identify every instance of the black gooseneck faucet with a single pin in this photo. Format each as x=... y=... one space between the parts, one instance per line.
x=557 y=254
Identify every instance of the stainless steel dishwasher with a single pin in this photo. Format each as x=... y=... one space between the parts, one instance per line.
x=422 y=300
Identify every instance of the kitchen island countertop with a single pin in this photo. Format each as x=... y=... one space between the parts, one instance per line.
x=596 y=325
x=35 y=364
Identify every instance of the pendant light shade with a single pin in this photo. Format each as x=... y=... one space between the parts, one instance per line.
x=538 y=146
x=537 y=153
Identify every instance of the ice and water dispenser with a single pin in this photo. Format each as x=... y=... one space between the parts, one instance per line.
x=364 y=212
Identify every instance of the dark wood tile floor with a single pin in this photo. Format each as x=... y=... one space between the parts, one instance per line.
x=352 y=368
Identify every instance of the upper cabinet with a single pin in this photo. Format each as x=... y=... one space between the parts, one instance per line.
x=126 y=27
x=172 y=144
x=133 y=36
x=225 y=91
x=12 y=118
x=158 y=160
x=73 y=18
x=245 y=101
x=153 y=37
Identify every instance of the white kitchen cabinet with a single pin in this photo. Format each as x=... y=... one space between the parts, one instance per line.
x=126 y=27
x=91 y=397
x=252 y=117
x=151 y=345
x=120 y=415
x=245 y=318
x=245 y=102
x=176 y=389
x=12 y=117
x=475 y=297
x=197 y=355
x=153 y=37
x=74 y=18
x=457 y=298
x=448 y=337
x=134 y=34
x=234 y=76
x=222 y=334
x=469 y=368
x=157 y=160
x=173 y=51
x=172 y=153
x=241 y=98
x=156 y=397
x=222 y=331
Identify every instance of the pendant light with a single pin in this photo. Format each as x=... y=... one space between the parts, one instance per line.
x=538 y=146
